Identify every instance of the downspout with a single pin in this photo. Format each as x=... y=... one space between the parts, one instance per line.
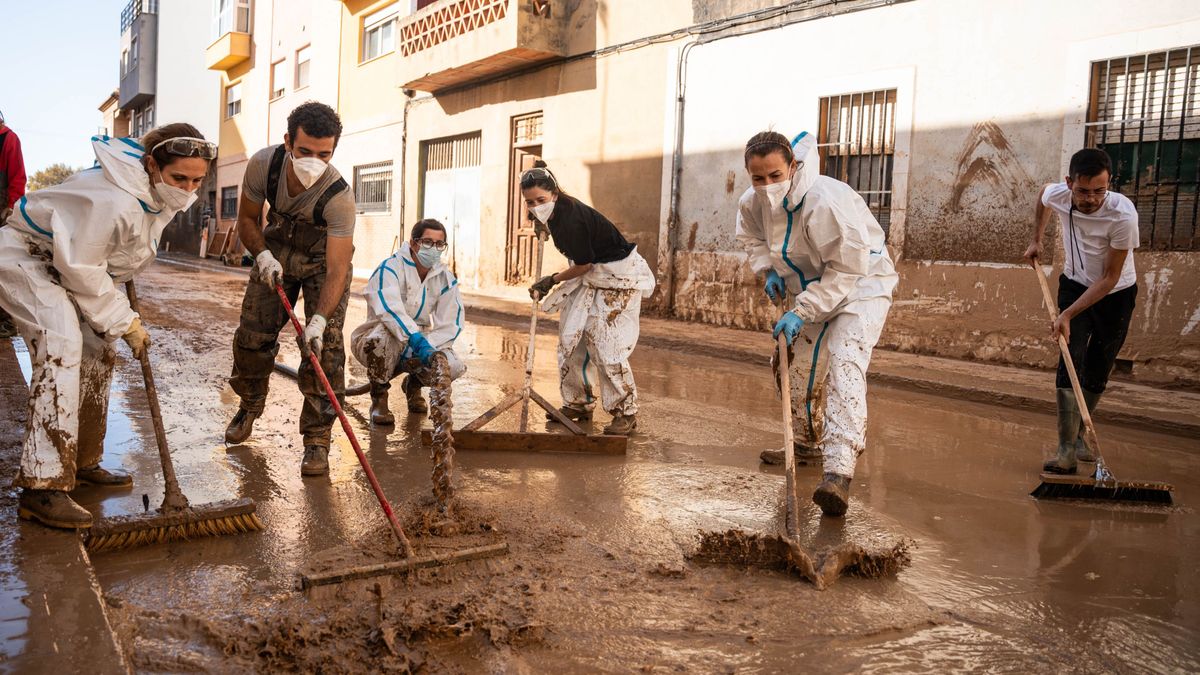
x=410 y=94
x=676 y=176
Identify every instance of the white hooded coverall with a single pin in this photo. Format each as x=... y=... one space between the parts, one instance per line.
x=829 y=249
x=63 y=251
x=399 y=304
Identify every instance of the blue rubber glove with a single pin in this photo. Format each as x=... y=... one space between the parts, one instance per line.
x=775 y=288
x=789 y=324
x=421 y=347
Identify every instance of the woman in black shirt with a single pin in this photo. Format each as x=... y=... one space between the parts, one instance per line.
x=600 y=300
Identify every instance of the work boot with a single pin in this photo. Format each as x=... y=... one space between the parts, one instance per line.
x=572 y=413
x=101 y=477
x=833 y=495
x=240 y=427
x=381 y=413
x=1082 y=452
x=1068 y=433
x=412 y=391
x=621 y=425
x=316 y=461
x=804 y=455
x=53 y=508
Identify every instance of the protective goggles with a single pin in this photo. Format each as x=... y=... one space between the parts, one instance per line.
x=436 y=244
x=186 y=146
x=538 y=173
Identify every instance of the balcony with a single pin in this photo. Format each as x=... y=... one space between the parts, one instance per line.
x=229 y=50
x=454 y=42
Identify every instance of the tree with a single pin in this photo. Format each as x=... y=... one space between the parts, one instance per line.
x=51 y=175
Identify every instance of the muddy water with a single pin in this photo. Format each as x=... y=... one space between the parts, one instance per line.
x=598 y=577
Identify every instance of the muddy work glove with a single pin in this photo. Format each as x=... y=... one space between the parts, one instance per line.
x=789 y=324
x=541 y=287
x=421 y=348
x=137 y=338
x=267 y=269
x=774 y=286
x=314 y=336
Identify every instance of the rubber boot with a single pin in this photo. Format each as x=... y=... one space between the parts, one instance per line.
x=381 y=413
x=621 y=425
x=1069 y=421
x=53 y=508
x=1082 y=452
x=101 y=477
x=804 y=455
x=240 y=427
x=412 y=391
x=833 y=495
x=572 y=413
x=316 y=461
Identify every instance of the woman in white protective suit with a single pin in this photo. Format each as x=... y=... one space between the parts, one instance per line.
x=814 y=242
x=63 y=253
x=600 y=301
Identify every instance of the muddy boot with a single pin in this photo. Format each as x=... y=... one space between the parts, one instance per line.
x=833 y=495
x=316 y=461
x=1068 y=432
x=53 y=508
x=1082 y=452
x=621 y=425
x=572 y=413
x=805 y=456
x=381 y=413
x=412 y=391
x=100 y=477
x=240 y=427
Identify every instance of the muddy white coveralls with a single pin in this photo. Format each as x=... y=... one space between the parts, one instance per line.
x=63 y=251
x=829 y=249
x=399 y=304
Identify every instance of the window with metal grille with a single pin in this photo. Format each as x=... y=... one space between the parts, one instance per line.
x=373 y=187
x=527 y=129
x=856 y=142
x=453 y=153
x=1143 y=113
x=229 y=202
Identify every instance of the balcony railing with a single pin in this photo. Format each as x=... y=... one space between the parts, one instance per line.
x=447 y=21
x=134 y=9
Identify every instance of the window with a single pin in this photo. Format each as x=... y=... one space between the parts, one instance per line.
x=147 y=118
x=379 y=33
x=856 y=142
x=133 y=53
x=230 y=16
x=124 y=62
x=229 y=202
x=277 y=79
x=373 y=187
x=302 y=56
x=1143 y=113
x=233 y=99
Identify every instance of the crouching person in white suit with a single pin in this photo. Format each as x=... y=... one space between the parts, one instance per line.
x=414 y=310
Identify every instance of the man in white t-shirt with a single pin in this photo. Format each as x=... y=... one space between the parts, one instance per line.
x=1096 y=291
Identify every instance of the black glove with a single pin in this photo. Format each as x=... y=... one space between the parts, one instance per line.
x=541 y=287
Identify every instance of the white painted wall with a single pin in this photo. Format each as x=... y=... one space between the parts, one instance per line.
x=187 y=91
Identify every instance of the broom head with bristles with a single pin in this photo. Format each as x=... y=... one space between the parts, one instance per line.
x=1054 y=486
x=233 y=516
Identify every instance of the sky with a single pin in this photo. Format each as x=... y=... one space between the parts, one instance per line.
x=58 y=69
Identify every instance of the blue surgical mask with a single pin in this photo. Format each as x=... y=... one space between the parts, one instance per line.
x=428 y=257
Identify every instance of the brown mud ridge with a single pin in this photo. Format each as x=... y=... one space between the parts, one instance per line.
x=821 y=568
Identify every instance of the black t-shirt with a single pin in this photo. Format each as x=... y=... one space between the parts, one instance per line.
x=584 y=235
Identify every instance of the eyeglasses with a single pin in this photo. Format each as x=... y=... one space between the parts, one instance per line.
x=186 y=146
x=426 y=242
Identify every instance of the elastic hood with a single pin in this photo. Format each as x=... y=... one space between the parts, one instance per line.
x=804 y=147
x=121 y=161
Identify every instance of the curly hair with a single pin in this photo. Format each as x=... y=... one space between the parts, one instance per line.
x=316 y=119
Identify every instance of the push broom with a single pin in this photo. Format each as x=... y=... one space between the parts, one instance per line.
x=1102 y=485
x=176 y=519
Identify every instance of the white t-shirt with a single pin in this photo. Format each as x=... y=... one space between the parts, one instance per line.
x=1087 y=237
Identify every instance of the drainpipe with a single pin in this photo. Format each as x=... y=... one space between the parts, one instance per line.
x=410 y=94
x=676 y=177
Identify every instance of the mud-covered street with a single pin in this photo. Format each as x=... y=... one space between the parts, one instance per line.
x=598 y=577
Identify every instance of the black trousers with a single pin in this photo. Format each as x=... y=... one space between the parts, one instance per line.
x=1097 y=334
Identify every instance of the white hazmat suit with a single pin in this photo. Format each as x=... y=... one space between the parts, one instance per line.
x=829 y=249
x=63 y=251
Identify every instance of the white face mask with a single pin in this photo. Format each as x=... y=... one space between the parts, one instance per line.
x=774 y=193
x=173 y=198
x=308 y=169
x=542 y=212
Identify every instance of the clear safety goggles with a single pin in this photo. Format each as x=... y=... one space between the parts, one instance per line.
x=538 y=173
x=186 y=146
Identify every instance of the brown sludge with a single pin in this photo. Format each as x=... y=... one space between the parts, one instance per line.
x=441 y=415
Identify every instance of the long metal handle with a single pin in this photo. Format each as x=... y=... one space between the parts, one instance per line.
x=337 y=407
x=173 y=497
x=791 y=518
x=533 y=318
x=1089 y=431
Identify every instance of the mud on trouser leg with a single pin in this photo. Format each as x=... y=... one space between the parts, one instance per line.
x=809 y=365
x=95 y=381
x=851 y=338
x=574 y=382
x=611 y=333
x=379 y=351
x=48 y=454
x=256 y=342
x=317 y=416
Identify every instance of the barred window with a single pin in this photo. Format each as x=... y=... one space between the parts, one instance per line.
x=1143 y=113
x=373 y=187
x=229 y=202
x=857 y=143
